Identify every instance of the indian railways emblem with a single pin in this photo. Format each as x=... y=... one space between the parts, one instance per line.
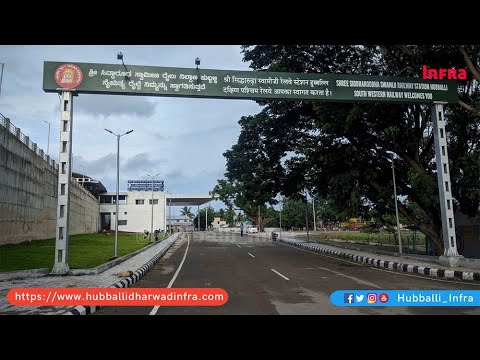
x=68 y=76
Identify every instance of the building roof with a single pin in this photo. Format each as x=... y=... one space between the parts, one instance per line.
x=95 y=187
x=189 y=199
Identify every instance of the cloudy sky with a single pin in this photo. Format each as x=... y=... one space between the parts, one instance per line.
x=182 y=139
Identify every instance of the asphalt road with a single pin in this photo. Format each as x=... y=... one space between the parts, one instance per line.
x=254 y=273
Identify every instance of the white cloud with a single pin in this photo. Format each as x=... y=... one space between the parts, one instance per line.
x=110 y=105
x=181 y=138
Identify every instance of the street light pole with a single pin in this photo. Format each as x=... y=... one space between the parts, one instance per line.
x=115 y=253
x=314 y=220
x=306 y=215
x=2 y=65
x=169 y=213
x=151 y=225
x=258 y=219
x=151 y=222
x=396 y=209
x=165 y=211
x=281 y=205
x=118 y=186
x=48 y=140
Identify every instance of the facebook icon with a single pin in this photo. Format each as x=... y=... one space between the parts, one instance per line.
x=348 y=298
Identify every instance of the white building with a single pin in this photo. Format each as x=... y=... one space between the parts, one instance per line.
x=218 y=223
x=179 y=223
x=135 y=209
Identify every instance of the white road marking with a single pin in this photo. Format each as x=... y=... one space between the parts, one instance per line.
x=351 y=277
x=239 y=246
x=155 y=308
x=283 y=276
x=251 y=255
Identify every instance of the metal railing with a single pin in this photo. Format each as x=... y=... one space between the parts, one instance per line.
x=5 y=122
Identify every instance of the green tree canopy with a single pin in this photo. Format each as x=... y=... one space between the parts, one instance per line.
x=343 y=151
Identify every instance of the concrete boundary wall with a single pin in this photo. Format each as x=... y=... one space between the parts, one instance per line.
x=28 y=192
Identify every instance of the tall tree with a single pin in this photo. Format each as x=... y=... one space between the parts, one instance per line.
x=294 y=214
x=239 y=218
x=344 y=151
x=469 y=100
x=229 y=216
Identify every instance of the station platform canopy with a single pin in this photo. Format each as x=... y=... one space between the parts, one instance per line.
x=189 y=199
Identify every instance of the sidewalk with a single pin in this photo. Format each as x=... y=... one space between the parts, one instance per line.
x=138 y=264
x=404 y=263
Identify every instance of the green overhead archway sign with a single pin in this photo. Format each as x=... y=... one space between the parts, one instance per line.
x=92 y=78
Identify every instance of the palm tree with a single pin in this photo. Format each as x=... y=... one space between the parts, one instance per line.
x=239 y=217
x=187 y=212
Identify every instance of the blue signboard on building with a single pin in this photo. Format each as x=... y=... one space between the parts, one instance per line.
x=145 y=185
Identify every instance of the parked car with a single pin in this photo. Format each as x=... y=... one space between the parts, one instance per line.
x=252 y=230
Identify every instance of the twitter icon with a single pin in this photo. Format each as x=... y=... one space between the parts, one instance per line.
x=359 y=298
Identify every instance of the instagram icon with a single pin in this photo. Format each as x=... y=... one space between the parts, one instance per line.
x=371 y=298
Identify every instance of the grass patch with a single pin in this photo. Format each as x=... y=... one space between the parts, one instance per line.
x=84 y=251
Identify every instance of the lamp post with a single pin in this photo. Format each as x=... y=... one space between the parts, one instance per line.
x=120 y=57
x=314 y=215
x=281 y=206
x=1 y=75
x=169 y=201
x=306 y=215
x=118 y=185
x=170 y=216
x=151 y=225
x=48 y=139
x=396 y=208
